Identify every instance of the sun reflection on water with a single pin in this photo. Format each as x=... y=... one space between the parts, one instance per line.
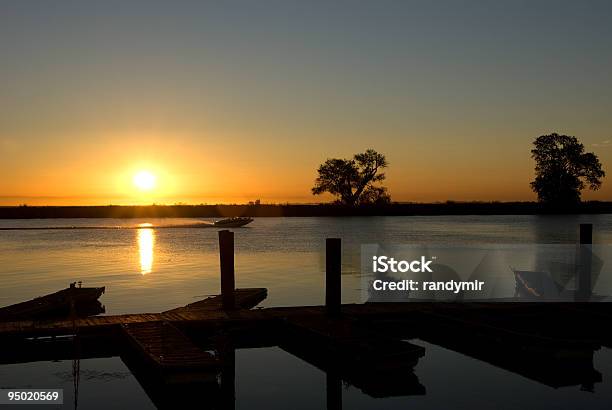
x=146 y=241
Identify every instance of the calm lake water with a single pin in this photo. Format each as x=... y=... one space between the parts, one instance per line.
x=150 y=270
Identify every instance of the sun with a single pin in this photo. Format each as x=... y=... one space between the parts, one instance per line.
x=144 y=180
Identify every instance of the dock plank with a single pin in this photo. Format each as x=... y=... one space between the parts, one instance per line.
x=563 y=344
x=164 y=348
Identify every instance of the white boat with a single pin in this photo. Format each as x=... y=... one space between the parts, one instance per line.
x=233 y=222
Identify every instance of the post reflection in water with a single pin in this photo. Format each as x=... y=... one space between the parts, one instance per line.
x=146 y=242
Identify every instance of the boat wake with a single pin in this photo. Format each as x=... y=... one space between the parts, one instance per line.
x=234 y=222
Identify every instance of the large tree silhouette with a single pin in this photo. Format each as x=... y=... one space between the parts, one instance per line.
x=563 y=169
x=352 y=180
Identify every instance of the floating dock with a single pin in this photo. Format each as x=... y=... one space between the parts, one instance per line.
x=165 y=349
x=243 y=299
x=376 y=364
x=72 y=300
x=371 y=334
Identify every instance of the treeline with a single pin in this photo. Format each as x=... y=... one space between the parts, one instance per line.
x=218 y=211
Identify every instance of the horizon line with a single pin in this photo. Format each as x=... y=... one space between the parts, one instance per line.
x=446 y=202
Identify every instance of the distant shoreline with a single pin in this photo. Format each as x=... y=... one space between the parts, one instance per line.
x=263 y=210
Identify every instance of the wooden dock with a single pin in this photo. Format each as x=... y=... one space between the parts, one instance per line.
x=351 y=344
x=494 y=333
x=72 y=300
x=376 y=364
x=165 y=349
x=246 y=298
x=186 y=350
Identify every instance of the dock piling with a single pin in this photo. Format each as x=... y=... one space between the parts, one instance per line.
x=584 y=262
x=226 y=256
x=333 y=271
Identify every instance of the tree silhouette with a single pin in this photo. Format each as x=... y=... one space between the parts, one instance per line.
x=563 y=169
x=352 y=180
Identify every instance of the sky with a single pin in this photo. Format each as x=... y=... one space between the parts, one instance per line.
x=226 y=102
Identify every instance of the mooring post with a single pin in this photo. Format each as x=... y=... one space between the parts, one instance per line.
x=333 y=271
x=584 y=262
x=226 y=256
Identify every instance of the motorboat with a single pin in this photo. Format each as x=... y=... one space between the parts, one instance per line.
x=233 y=222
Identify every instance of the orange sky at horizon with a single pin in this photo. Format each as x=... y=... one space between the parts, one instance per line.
x=187 y=171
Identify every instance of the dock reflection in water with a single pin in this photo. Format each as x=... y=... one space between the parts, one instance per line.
x=146 y=243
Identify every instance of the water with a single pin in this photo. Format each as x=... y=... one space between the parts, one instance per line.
x=150 y=270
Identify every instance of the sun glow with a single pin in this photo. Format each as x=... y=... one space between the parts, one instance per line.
x=145 y=181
